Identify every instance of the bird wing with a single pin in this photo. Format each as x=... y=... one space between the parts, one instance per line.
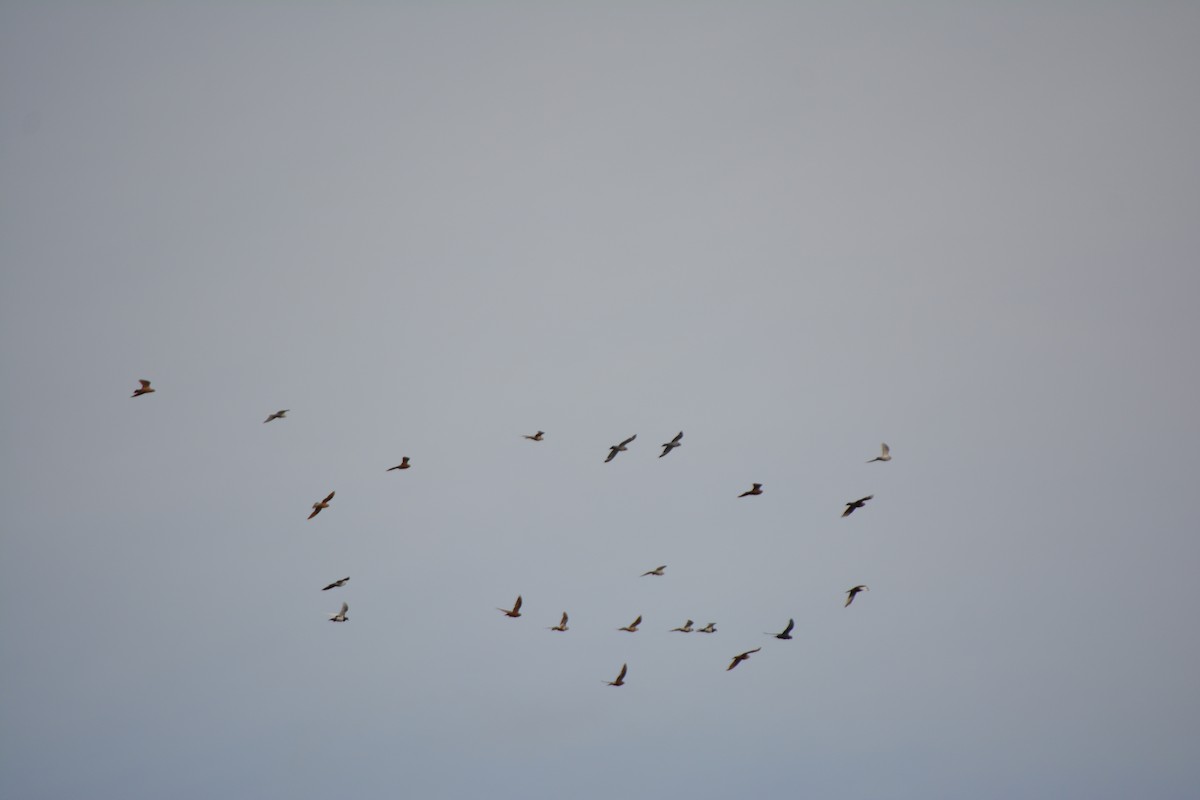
x=885 y=448
x=636 y=622
x=329 y=497
x=756 y=486
x=315 y=511
x=736 y=660
x=345 y=607
x=791 y=624
x=612 y=453
x=145 y=383
x=564 y=620
x=630 y=439
x=862 y=500
x=621 y=674
x=678 y=436
x=517 y=605
x=330 y=586
x=748 y=652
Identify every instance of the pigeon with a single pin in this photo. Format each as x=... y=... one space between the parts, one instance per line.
x=323 y=504
x=884 y=455
x=515 y=611
x=341 y=615
x=755 y=489
x=402 y=465
x=786 y=633
x=709 y=628
x=687 y=628
x=618 y=448
x=671 y=445
x=620 y=681
x=853 y=592
x=655 y=571
x=562 y=625
x=336 y=584
x=741 y=657
x=537 y=437
x=280 y=414
x=633 y=626
x=859 y=503
x=144 y=390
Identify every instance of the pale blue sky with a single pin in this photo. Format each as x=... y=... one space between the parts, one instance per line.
x=790 y=230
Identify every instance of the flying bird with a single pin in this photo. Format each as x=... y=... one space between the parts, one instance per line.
x=885 y=453
x=341 y=615
x=709 y=628
x=561 y=626
x=740 y=657
x=852 y=593
x=323 y=504
x=853 y=504
x=671 y=445
x=687 y=628
x=537 y=437
x=655 y=571
x=620 y=681
x=515 y=611
x=618 y=448
x=402 y=465
x=786 y=633
x=144 y=390
x=336 y=584
x=755 y=489
x=280 y=414
x=633 y=626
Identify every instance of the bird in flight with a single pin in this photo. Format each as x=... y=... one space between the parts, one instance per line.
x=885 y=453
x=687 y=628
x=633 y=626
x=402 y=465
x=655 y=571
x=280 y=414
x=515 y=611
x=755 y=489
x=853 y=504
x=145 y=389
x=537 y=437
x=336 y=584
x=786 y=633
x=671 y=445
x=709 y=628
x=341 y=615
x=618 y=448
x=323 y=504
x=620 y=681
x=740 y=657
x=853 y=592
x=562 y=624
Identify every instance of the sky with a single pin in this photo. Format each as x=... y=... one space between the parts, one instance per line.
x=790 y=230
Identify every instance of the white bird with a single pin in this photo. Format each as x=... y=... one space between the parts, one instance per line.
x=620 y=681
x=633 y=626
x=322 y=504
x=336 y=584
x=687 y=628
x=740 y=658
x=885 y=453
x=341 y=615
x=709 y=628
x=144 y=390
x=671 y=445
x=655 y=571
x=853 y=592
x=280 y=414
x=618 y=448
x=562 y=625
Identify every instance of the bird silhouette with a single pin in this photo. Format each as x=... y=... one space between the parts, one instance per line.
x=341 y=615
x=515 y=611
x=709 y=628
x=402 y=465
x=145 y=389
x=280 y=414
x=671 y=445
x=562 y=625
x=853 y=592
x=633 y=626
x=620 y=681
x=618 y=448
x=537 y=437
x=739 y=658
x=884 y=454
x=336 y=584
x=322 y=504
x=687 y=628
x=786 y=633
x=655 y=571
x=853 y=504
x=755 y=489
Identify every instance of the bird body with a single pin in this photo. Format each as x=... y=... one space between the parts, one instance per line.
x=336 y=584
x=280 y=414
x=655 y=571
x=671 y=445
x=885 y=454
x=320 y=505
x=620 y=681
x=853 y=592
x=341 y=615
x=537 y=437
x=144 y=389
x=618 y=448
x=402 y=465
x=633 y=626
x=687 y=628
x=515 y=611
x=786 y=633
x=853 y=504
x=754 y=489
x=740 y=657
x=562 y=625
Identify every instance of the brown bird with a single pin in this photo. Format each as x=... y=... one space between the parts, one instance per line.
x=709 y=628
x=562 y=625
x=884 y=455
x=336 y=584
x=341 y=615
x=620 y=681
x=280 y=414
x=323 y=504
x=786 y=633
x=633 y=626
x=853 y=504
x=655 y=571
x=853 y=592
x=741 y=657
x=144 y=390
x=537 y=437
x=618 y=448
x=755 y=489
x=687 y=628
x=671 y=445
x=515 y=611
x=402 y=465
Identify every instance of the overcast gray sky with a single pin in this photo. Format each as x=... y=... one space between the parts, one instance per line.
x=791 y=230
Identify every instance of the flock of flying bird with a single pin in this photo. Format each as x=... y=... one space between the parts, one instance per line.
x=659 y=571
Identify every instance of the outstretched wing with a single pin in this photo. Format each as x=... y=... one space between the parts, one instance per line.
x=791 y=624
x=630 y=439
x=145 y=383
x=612 y=453
x=330 y=497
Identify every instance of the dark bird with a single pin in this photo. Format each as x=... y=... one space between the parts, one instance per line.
x=537 y=437
x=280 y=414
x=323 y=504
x=561 y=626
x=341 y=615
x=687 y=628
x=884 y=454
x=515 y=611
x=852 y=593
x=655 y=571
x=402 y=465
x=618 y=448
x=671 y=445
x=336 y=584
x=740 y=657
x=633 y=626
x=853 y=504
x=709 y=628
x=144 y=390
x=787 y=632
x=755 y=489
x=620 y=681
